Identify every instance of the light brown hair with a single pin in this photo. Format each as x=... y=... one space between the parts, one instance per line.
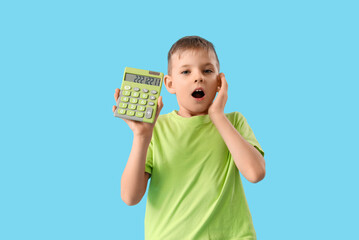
x=190 y=43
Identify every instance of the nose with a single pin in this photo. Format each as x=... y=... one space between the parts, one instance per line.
x=198 y=77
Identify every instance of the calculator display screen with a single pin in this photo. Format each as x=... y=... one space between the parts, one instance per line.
x=142 y=79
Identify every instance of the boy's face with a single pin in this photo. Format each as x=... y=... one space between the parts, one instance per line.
x=194 y=79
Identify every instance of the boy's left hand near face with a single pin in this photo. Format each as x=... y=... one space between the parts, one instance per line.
x=217 y=107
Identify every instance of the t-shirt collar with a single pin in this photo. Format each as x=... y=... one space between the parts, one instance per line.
x=195 y=120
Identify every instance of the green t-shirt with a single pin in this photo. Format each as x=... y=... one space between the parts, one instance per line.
x=195 y=190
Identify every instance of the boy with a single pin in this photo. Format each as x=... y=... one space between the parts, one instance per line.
x=193 y=155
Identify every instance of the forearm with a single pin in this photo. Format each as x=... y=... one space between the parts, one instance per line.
x=247 y=158
x=133 y=181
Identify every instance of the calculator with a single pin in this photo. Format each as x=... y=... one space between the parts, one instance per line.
x=139 y=93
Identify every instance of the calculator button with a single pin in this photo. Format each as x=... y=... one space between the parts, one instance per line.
x=126 y=93
x=139 y=114
x=151 y=103
x=122 y=105
x=152 y=97
x=145 y=90
x=124 y=99
x=136 y=89
x=144 y=95
x=130 y=113
x=133 y=100
x=149 y=112
x=141 y=108
x=143 y=102
x=154 y=92
x=121 y=111
x=135 y=94
x=127 y=87
x=132 y=107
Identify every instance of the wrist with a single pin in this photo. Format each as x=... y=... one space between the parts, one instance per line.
x=215 y=116
x=142 y=137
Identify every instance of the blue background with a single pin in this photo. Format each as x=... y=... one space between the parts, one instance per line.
x=292 y=69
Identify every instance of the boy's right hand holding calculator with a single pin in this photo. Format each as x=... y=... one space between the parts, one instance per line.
x=139 y=101
x=140 y=128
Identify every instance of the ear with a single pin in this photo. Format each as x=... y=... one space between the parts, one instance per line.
x=169 y=84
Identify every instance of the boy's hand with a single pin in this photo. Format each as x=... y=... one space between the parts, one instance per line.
x=217 y=107
x=140 y=128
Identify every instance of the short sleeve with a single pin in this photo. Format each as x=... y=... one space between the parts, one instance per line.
x=149 y=158
x=246 y=132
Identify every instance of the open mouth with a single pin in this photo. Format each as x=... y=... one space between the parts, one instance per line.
x=198 y=93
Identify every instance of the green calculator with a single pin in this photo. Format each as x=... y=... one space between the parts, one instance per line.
x=139 y=93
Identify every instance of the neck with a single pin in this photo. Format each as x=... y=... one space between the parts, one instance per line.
x=187 y=114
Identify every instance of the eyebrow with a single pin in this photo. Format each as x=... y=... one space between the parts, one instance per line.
x=186 y=65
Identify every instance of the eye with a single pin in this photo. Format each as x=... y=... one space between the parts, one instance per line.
x=185 y=72
x=208 y=71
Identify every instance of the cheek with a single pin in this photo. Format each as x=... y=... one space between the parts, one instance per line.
x=214 y=86
x=211 y=94
x=182 y=90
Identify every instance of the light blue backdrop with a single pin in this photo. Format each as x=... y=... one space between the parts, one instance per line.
x=292 y=69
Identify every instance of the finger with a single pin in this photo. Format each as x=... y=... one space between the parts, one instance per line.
x=160 y=103
x=224 y=84
x=117 y=94
x=113 y=108
x=159 y=106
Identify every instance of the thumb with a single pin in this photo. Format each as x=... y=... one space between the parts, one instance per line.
x=160 y=103
x=159 y=107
